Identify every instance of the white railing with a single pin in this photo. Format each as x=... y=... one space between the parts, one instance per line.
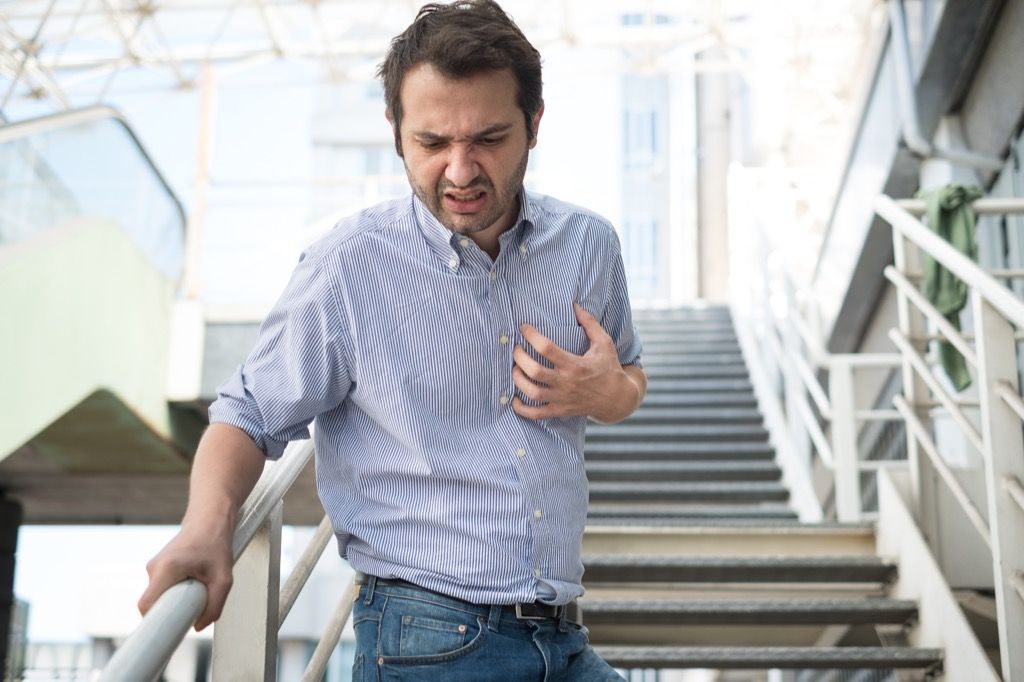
x=245 y=636
x=825 y=421
x=818 y=424
x=997 y=435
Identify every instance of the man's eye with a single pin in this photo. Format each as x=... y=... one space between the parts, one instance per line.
x=432 y=146
x=490 y=141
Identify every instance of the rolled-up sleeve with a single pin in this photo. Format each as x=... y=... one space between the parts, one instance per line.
x=298 y=368
x=617 y=319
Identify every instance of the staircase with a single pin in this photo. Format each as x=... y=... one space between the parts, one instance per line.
x=693 y=558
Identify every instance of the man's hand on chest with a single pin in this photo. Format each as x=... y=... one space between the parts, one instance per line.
x=594 y=384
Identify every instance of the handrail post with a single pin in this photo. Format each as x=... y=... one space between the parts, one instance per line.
x=245 y=637
x=1003 y=443
x=914 y=389
x=792 y=384
x=844 y=440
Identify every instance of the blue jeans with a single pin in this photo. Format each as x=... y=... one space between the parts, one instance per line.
x=408 y=633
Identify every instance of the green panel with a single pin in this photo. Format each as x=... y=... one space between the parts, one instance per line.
x=84 y=311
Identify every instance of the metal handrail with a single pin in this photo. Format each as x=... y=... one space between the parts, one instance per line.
x=922 y=436
x=946 y=400
x=65 y=119
x=148 y=649
x=303 y=568
x=1016 y=491
x=949 y=332
x=332 y=634
x=1002 y=299
x=998 y=316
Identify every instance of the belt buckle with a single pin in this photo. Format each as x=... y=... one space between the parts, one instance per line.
x=521 y=616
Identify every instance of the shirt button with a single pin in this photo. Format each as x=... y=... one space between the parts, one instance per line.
x=462 y=628
x=453 y=262
x=521 y=452
x=504 y=339
x=464 y=241
x=380 y=661
x=536 y=572
x=503 y=400
x=494 y=275
x=537 y=514
x=522 y=248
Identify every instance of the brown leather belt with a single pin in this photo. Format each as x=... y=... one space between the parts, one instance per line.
x=528 y=611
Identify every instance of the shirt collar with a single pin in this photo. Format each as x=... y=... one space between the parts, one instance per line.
x=442 y=240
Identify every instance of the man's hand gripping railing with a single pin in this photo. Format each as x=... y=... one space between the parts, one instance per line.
x=148 y=649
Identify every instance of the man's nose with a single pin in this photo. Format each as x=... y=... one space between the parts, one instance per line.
x=462 y=167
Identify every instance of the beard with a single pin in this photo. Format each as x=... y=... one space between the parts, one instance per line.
x=499 y=201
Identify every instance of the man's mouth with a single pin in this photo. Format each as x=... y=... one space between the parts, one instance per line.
x=465 y=202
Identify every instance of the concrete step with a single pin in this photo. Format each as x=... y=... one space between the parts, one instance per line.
x=682 y=471
x=686 y=514
x=730 y=493
x=708 y=399
x=874 y=611
x=638 y=433
x=686 y=360
x=700 y=385
x=675 y=338
x=670 y=331
x=766 y=569
x=666 y=351
x=641 y=315
x=766 y=658
x=764 y=537
x=695 y=415
x=683 y=372
x=677 y=450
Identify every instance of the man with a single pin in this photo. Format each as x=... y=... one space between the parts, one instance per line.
x=451 y=346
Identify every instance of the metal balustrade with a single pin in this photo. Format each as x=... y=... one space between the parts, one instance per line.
x=998 y=315
x=781 y=326
x=245 y=636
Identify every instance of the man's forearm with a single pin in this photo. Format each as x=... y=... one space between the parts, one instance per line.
x=623 y=403
x=226 y=467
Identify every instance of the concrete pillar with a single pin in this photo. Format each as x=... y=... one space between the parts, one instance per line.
x=714 y=136
x=10 y=520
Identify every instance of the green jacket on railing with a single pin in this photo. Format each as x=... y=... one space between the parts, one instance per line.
x=951 y=216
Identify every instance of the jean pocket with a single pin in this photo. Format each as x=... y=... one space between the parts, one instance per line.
x=424 y=640
x=427 y=636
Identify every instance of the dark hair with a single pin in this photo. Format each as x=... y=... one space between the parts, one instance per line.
x=460 y=39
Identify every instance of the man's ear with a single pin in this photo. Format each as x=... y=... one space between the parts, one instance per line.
x=535 y=125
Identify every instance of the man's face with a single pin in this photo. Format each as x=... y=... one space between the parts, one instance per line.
x=465 y=147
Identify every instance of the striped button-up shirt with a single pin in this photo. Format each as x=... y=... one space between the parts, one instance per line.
x=396 y=335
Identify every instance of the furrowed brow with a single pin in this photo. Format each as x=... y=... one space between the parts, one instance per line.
x=424 y=136
x=493 y=130
x=427 y=136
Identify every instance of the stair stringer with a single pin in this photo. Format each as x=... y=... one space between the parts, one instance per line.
x=941 y=623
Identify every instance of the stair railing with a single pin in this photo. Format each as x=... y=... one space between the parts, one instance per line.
x=997 y=434
x=814 y=423
x=245 y=636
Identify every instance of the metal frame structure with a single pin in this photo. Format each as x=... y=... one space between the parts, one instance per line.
x=63 y=49
x=997 y=314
